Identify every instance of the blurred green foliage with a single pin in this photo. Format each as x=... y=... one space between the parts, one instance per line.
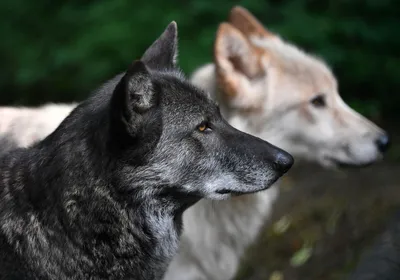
x=60 y=50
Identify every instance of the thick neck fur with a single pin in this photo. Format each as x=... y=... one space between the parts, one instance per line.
x=87 y=220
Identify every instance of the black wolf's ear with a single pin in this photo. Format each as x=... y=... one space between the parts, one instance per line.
x=164 y=51
x=138 y=87
x=133 y=96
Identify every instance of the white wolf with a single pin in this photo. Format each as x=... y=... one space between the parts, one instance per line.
x=271 y=89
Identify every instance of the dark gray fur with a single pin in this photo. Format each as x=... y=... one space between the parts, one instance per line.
x=102 y=196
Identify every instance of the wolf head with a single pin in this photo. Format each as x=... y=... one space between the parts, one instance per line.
x=271 y=89
x=171 y=135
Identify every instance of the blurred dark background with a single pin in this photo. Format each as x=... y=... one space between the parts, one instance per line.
x=59 y=51
x=56 y=50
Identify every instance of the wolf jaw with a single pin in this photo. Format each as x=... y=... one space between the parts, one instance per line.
x=103 y=195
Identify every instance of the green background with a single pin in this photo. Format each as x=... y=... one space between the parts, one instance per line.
x=60 y=51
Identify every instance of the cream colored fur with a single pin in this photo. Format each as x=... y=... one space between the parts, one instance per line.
x=27 y=125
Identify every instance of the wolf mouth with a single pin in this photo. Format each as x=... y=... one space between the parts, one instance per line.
x=232 y=192
x=249 y=191
x=350 y=165
x=353 y=165
x=237 y=193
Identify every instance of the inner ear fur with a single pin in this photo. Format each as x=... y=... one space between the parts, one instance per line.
x=236 y=59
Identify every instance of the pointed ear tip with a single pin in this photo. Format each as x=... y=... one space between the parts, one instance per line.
x=238 y=9
x=247 y=23
x=225 y=27
x=173 y=27
x=239 y=14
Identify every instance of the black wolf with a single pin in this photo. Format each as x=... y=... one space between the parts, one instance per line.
x=102 y=196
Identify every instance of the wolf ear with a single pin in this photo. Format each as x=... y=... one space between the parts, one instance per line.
x=133 y=96
x=248 y=24
x=236 y=60
x=163 y=52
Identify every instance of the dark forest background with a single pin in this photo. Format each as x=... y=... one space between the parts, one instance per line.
x=59 y=50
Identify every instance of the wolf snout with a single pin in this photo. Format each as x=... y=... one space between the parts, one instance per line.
x=283 y=162
x=383 y=142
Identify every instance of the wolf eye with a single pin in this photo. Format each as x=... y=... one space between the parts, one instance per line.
x=318 y=101
x=203 y=127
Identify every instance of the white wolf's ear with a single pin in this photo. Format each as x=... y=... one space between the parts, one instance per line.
x=248 y=24
x=164 y=51
x=236 y=61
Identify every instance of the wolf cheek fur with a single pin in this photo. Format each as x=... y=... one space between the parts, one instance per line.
x=103 y=195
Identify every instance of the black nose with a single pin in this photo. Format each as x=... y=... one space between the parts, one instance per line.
x=283 y=162
x=383 y=143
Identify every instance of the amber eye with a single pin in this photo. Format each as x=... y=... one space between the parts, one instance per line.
x=203 y=127
x=319 y=101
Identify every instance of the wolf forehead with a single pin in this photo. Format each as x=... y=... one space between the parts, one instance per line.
x=292 y=59
x=180 y=97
